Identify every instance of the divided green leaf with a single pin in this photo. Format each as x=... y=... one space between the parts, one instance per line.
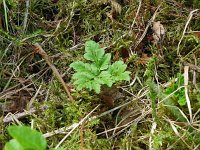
x=105 y=61
x=117 y=71
x=79 y=66
x=93 y=51
x=93 y=85
x=100 y=71
x=105 y=78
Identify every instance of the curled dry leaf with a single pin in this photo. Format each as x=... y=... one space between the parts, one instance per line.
x=110 y=95
x=116 y=9
x=54 y=1
x=158 y=32
x=197 y=34
x=110 y=15
x=116 y=6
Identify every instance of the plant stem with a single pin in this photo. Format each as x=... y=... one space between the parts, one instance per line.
x=44 y=55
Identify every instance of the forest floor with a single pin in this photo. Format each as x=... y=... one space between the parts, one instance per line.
x=159 y=41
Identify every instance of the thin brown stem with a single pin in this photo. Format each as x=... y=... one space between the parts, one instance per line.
x=44 y=55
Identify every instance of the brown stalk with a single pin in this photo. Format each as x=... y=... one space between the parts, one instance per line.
x=81 y=137
x=44 y=55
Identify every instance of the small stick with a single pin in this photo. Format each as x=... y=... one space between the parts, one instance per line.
x=81 y=137
x=10 y=117
x=44 y=55
x=138 y=10
x=29 y=105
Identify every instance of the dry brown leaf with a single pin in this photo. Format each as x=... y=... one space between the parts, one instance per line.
x=197 y=34
x=110 y=95
x=158 y=32
x=110 y=15
x=116 y=6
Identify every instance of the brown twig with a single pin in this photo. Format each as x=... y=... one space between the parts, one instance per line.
x=10 y=117
x=44 y=55
x=148 y=25
x=81 y=137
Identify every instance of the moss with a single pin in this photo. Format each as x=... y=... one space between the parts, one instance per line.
x=61 y=28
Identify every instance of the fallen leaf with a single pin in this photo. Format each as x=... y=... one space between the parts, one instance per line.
x=197 y=34
x=116 y=6
x=125 y=54
x=116 y=9
x=110 y=15
x=158 y=32
x=110 y=95
x=54 y=1
x=144 y=56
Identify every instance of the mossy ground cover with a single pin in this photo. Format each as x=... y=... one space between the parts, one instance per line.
x=157 y=109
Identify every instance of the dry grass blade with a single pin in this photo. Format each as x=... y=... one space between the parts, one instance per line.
x=65 y=129
x=127 y=125
x=194 y=67
x=11 y=92
x=14 y=72
x=173 y=126
x=153 y=128
x=185 y=28
x=186 y=78
x=147 y=27
x=138 y=10
x=26 y=16
x=194 y=75
x=29 y=105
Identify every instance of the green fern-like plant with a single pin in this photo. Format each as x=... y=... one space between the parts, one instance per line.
x=99 y=71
